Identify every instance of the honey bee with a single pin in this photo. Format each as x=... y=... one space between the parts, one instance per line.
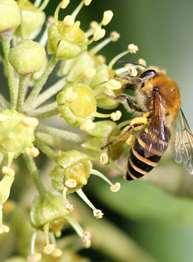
x=158 y=95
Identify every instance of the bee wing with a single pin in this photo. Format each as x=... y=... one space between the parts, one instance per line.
x=157 y=135
x=184 y=143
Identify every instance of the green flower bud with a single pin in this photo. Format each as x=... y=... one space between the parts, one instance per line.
x=27 y=57
x=81 y=69
x=72 y=171
x=32 y=19
x=99 y=135
x=101 y=82
x=16 y=132
x=66 y=41
x=106 y=102
x=48 y=209
x=102 y=129
x=10 y=15
x=76 y=103
x=102 y=76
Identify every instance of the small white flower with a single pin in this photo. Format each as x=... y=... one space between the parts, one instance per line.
x=132 y=48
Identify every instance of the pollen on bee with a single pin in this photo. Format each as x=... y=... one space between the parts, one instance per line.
x=130 y=140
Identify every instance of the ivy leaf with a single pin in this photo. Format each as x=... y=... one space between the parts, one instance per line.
x=141 y=200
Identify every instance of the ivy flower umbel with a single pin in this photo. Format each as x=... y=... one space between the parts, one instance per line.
x=85 y=84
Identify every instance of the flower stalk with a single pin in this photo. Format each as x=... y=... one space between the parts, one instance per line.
x=11 y=77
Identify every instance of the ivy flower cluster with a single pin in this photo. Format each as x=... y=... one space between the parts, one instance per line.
x=33 y=48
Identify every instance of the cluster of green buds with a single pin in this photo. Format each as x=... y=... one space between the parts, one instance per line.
x=85 y=85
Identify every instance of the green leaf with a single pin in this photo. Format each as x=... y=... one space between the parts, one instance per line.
x=142 y=200
x=109 y=239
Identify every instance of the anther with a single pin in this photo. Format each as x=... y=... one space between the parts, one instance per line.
x=104 y=159
x=113 y=187
x=142 y=62
x=32 y=151
x=6 y=170
x=107 y=17
x=70 y=183
x=132 y=48
x=115 y=116
x=48 y=249
x=96 y=212
x=86 y=239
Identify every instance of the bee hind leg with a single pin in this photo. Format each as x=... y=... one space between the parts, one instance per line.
x=128 y=132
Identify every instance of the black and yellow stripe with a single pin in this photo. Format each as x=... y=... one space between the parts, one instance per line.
x=139 y=164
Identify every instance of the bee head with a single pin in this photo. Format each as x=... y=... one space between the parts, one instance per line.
x=148 y=74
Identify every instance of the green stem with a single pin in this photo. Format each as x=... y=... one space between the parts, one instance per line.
x=37 y=2
x=66 y=135
x=48 y=151
x=47 y=114
x=44 y=4
x=51 y=91
x=40 y=83
x=22 y=92
x=12 y=80
x=45 y=109
x=3 y=102
x=35 y=174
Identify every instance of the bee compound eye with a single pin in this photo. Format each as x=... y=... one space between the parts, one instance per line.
x=148 y=74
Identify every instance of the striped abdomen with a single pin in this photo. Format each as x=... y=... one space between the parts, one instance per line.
x=140 y=163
